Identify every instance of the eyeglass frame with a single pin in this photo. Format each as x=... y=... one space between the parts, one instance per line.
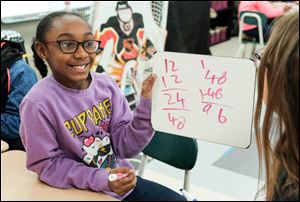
x=257 y=57
x=78 y=44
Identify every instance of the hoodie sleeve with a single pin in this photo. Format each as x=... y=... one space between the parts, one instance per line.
x=48 y=160
x=131 y=132
x=22 y=79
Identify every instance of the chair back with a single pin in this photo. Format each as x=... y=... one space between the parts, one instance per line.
x=178 y=151
x=251 y=17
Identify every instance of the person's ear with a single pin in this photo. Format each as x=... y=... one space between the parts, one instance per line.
x=40 y=49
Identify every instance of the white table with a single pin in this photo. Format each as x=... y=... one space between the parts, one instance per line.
x=18 y=183
x=4 y=146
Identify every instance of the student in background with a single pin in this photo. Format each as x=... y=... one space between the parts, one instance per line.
x=264 y=7
x=76 y=126
x=17 y=77
x=278 y=88
x=188 y=27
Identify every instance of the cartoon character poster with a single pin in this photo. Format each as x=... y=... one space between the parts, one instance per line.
x=127 y=47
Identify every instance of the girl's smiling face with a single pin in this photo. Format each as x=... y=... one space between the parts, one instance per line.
x=70 y=69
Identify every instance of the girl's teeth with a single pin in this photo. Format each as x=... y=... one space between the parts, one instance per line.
x=79 y=67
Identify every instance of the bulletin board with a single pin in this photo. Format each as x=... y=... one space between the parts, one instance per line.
x=204 y=97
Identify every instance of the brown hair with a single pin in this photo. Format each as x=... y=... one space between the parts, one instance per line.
x=280 y=63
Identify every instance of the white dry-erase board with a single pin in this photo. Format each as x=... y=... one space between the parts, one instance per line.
x=204 y=97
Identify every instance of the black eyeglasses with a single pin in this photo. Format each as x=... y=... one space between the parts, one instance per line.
x=257 y=57
x=71 y=46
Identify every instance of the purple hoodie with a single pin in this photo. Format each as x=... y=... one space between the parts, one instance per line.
x=72 y=136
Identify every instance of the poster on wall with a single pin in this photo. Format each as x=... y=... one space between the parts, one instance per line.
x=126 y=42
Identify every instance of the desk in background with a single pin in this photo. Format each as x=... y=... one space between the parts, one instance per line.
x=18 y=183
x=4 y=146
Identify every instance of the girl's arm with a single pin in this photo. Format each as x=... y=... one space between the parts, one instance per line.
x=131 y=132
x=46 y=158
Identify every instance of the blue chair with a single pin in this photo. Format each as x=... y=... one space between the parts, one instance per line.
x=178 y=151
x=252 y=18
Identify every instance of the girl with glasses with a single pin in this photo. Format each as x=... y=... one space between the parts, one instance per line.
x=77 y=127
x=278 y=88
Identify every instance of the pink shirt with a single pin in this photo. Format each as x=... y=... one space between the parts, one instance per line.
x=264 y=7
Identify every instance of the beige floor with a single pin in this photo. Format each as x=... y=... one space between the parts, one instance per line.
x=200 y=193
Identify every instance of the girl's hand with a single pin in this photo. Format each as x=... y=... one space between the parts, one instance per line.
x=124 y=185
x=148 y=85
